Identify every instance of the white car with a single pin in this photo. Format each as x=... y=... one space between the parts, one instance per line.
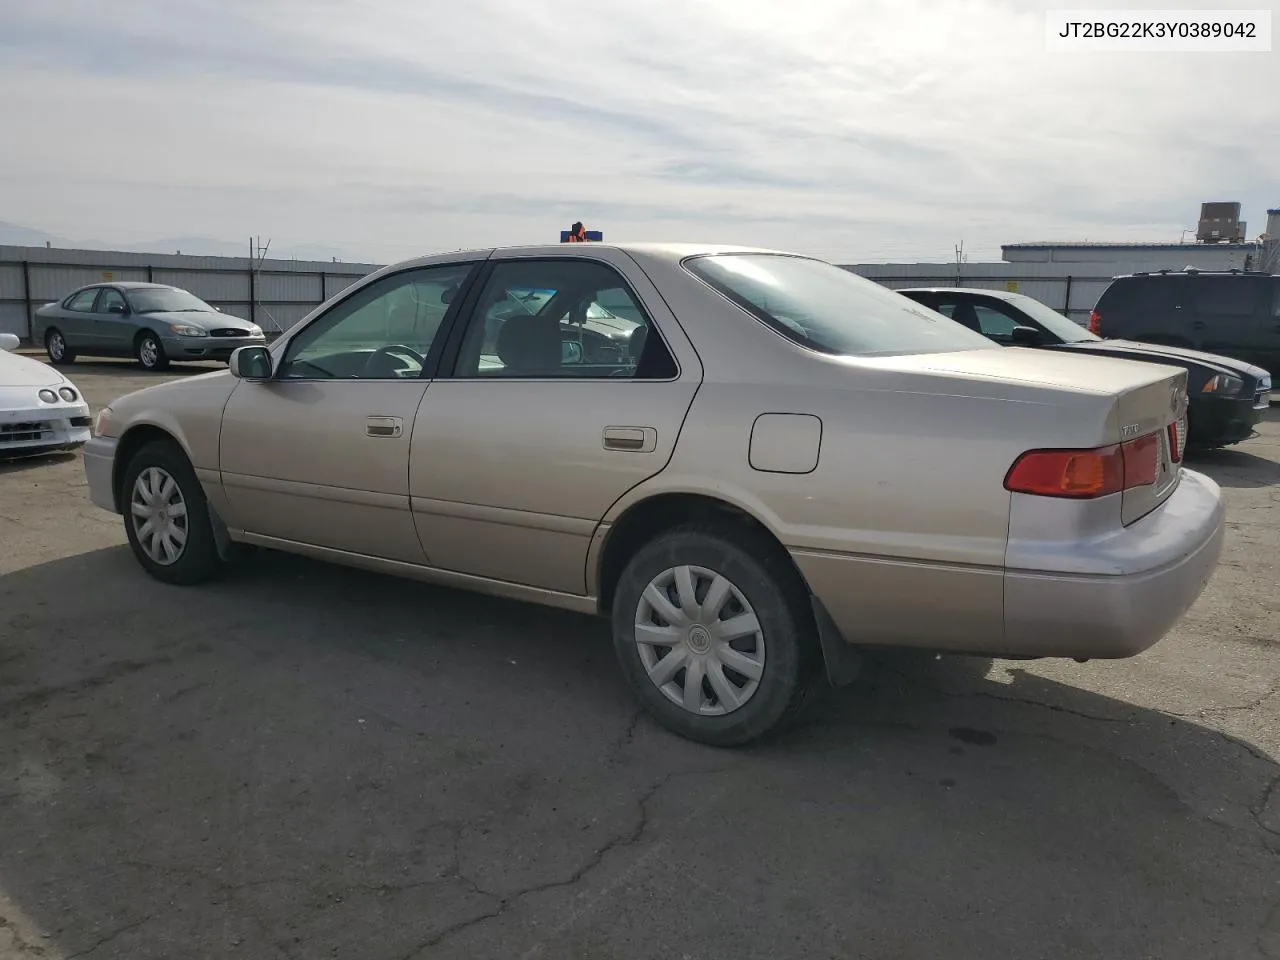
x=41 y=411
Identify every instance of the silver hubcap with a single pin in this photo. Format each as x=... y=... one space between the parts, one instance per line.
x=56 y=346
x=699 y=640
x=148 y=352
x=159 y=515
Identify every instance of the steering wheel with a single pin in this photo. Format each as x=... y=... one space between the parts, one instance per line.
x=393 y=349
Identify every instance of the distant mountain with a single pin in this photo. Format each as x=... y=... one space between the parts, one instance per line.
x=16 y=235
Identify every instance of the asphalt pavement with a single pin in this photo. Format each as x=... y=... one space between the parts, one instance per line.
x=304 y=761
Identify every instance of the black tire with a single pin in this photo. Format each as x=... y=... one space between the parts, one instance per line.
x=766 y=579
x=198 y=560
x=150 y=346
x=55 y=345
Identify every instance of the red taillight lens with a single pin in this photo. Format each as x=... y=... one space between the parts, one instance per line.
x=1095 y=322
x=1141 y=460
x=1085 y=474
x=1177 y=439
x=1067 y=473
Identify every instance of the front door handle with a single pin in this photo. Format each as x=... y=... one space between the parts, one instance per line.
x=383 y=427
x=631 y=439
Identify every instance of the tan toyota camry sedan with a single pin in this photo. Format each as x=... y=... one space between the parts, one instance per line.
x=754 y=463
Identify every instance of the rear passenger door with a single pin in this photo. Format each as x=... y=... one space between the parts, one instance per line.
x=526 y=439
x=1228 y=315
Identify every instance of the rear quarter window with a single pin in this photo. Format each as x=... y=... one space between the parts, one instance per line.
x=1226 y=296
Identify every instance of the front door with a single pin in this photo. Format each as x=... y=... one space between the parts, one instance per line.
x=111 y=324
x=555 y=406
x=319 y=454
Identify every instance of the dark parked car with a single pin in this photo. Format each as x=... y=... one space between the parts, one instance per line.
x=1227 y=396
x=1233 y=314
x=150 y=321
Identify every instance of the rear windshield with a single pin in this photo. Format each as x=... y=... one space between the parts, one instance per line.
x=825 y=308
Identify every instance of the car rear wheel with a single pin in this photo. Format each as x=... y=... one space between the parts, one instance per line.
x=55 y=344
x=166 y=516
x=151 y=353
x=713 y=632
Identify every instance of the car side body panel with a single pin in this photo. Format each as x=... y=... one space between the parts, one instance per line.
x=902 y=527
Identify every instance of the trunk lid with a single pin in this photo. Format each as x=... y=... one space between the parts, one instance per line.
x=1152 y=414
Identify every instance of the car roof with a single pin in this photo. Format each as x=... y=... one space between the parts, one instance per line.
x=128 y=285
x=1146 y=274
x=672 y=252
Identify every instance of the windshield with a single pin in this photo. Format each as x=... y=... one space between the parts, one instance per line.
x=165 y=300
x=825 y=308
x=1068 y=330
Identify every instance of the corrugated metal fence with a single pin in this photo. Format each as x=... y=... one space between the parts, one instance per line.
x=274 y=294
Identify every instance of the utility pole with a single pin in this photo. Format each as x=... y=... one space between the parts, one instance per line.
x=257 y=254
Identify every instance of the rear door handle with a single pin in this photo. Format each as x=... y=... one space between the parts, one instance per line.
x=631 y=439
x=383 y=427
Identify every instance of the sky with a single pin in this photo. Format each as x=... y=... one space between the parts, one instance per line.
x=868 y=131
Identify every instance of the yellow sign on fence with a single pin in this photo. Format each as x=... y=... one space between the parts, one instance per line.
x=108 y=275
x=1011 y=286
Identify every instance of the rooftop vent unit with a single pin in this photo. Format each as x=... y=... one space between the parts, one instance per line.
x=1220 y=223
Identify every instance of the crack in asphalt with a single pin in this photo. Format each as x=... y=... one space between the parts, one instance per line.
x=1264 y=801
x=615 y=751
x=626 y=838
x=109 y=937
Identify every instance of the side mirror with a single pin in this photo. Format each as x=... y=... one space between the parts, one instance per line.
x=9 y=341
x=1025 y=336
x=570 y=351
x=250 y=363
x=116 y=308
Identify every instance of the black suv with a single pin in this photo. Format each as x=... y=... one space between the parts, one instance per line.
x=1232 y=314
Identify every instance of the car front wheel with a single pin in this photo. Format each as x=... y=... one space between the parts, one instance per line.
x=151 y=353
x=714 y=634
x=166 y=516
x=55 y=344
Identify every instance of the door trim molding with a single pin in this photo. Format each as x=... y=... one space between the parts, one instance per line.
x=433 y=575
x=316 y=491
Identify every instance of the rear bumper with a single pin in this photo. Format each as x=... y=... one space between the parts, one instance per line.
x=1214 y=421
x=99 y=468
x=1141 y=583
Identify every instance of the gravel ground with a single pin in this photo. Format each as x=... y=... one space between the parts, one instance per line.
x=305 y=761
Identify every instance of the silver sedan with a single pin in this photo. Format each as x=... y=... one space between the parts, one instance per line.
x=152 y=322
x=781 y=464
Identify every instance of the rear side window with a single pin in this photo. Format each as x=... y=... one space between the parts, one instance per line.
x=82 y=302
x=822 y=307
x=1226 y=296
x=1133 y=294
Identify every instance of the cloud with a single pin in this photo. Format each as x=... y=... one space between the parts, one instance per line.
x=881 y=130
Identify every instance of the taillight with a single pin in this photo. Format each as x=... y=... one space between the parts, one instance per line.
x=1095 y=322
x=1086 y=474
x=1177 y=439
